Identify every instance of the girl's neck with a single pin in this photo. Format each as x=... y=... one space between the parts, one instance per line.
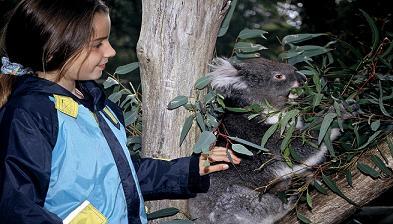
x=67 y=84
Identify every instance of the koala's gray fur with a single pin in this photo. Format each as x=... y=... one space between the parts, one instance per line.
x=237 y=195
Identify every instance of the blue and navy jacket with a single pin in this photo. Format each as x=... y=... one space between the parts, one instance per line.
x=57 y=151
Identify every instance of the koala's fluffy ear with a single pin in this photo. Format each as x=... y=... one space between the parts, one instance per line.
x=225 y=77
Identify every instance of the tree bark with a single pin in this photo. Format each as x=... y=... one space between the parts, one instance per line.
x=332 y=208
x=176 y=43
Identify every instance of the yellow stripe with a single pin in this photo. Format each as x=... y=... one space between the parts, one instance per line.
x=66 y=105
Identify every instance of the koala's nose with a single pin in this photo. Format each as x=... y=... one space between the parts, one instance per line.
x=301 y=77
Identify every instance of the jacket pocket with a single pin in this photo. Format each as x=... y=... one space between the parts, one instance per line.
x=85 y=213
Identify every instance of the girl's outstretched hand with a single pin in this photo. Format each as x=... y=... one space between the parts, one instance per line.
x=217 y=154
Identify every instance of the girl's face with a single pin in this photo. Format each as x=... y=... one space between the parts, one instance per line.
x=90 y=63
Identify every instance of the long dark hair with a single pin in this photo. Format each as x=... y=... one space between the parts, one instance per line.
x=47 y=35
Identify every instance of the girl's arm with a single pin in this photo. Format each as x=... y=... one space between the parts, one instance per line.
x=25 y=160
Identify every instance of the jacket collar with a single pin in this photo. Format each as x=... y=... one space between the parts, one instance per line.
x=93 y=93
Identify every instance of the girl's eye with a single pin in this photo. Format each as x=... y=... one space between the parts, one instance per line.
x=98 y=45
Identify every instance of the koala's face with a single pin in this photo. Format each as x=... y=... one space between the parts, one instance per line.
x=254 y=81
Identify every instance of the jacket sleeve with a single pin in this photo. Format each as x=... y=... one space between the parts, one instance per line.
x=25 y=168
x=175 y=179
x=161 y=179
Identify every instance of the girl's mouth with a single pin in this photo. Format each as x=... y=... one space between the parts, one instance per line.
x=102 y=67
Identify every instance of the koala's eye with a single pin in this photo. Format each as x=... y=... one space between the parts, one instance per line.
x=279 y=76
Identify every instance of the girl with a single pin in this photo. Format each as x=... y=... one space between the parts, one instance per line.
x=63 y=144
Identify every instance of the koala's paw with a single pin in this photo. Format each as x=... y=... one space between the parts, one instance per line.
x=350 y=109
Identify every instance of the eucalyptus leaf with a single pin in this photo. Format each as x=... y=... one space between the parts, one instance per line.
x=205 y=141
x=338 y=112
x=177 y=102
x=375 y=125
x=381 y=165
x=202 y=82
x=366 y=169
x=294 y=154
x=200 y=121
x=238 y=110
x=178 y=221
x=370 y=139
x=286 y=156
x=210 y=96
x=328 y=143
x=374 y=29
x=288 y=136
x=124 y=69
x=211 y=121
x=380 y=100
x=241 y=149
x=309 y=199
x=270 y=131
x=134 y=139
x=186 y=128
x=319 y=187
x=317 y=99
x=390 y=145
x=288 y=116
x=303 y=218
x=244 y=142
x=130 y=117
x=251 y=33
x=348 y=177
x=333 y=187
x=110 y=82
x=166 y=212
x=249 y=55
x=225 y=24
x=327 y=120
x=297 y=38
x=247 y=47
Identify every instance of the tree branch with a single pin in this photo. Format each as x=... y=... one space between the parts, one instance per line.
x=332 y=208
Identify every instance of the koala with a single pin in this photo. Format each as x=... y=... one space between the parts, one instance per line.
x=245 y=193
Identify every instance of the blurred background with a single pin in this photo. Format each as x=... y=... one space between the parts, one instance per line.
x=341 y=18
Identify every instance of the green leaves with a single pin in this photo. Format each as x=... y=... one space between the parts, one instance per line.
x=381 y=165
x=124 y=69
x=110 y=82
x=302 y=218
x=327 y=120
x=244 y=142
x=247 y=47
x=202 y=82
x=225 y=24
x=241 y=149
x=247 y=34
x=297 y=38
x=166 y=212
x=366 y=169
x=186 y=128
x=177 y=102
x=333 y=187
x=374 y=29
x=204 y=143
x=296 y=54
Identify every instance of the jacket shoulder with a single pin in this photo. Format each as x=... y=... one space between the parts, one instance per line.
x=36 y=108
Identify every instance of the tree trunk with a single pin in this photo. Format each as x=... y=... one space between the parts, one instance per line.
x=176 y=43
x=332 y=208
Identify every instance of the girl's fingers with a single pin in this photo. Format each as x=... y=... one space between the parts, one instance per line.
x=220 y=154
x=215 y=168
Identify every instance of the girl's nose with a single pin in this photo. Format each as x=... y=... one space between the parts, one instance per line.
x=109 y=51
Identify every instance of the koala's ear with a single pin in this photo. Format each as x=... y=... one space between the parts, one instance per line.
x=225 y=77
